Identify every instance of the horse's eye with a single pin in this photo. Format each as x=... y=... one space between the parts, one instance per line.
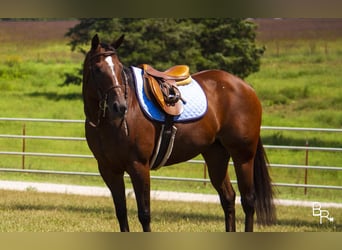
x=97 y=68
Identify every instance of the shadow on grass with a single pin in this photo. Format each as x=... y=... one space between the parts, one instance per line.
x=59 y=207
x=309 y=225
x=173 y=216
x=167 y=215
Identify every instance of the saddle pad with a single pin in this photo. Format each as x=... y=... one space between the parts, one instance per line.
x=194 y=108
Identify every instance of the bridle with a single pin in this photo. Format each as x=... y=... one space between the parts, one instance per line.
x=103 y=95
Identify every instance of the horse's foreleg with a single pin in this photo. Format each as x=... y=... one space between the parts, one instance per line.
x=116 y=185
x=140 y=176
x=119 y=198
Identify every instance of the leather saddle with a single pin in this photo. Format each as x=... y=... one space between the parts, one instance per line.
x=163 y=86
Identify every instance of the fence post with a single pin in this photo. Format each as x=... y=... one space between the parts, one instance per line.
x=23 y=147
x=205 y=173
x=306 y=164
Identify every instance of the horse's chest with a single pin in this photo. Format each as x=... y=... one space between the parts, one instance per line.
x=112 y=145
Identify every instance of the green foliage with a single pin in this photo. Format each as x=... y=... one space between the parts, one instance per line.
x=227 y=44
x=230 y=43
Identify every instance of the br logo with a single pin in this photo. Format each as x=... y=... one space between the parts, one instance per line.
x=317 y=211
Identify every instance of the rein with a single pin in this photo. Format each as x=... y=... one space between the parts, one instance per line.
x=103 y=96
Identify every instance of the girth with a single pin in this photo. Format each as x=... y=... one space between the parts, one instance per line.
x=164 y=146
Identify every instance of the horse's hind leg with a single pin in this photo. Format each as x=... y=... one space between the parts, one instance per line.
x=244 y=173
x=217 y=158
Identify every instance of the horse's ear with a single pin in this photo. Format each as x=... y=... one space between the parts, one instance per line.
x=118 y=42
x=95 y=42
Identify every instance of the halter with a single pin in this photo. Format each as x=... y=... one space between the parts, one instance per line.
x=103 y=96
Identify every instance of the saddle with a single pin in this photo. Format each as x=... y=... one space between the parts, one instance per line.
x=163 y=86
x=166 y=105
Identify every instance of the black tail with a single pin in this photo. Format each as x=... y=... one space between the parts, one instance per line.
x=265 y=208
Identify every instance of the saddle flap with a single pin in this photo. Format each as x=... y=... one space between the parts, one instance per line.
x=153 y=86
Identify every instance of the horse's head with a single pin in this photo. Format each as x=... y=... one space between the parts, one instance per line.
x=104 y=82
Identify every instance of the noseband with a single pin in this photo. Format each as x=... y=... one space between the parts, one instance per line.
x=103 y=96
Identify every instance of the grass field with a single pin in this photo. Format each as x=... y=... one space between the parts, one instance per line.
x=299 y=84
x=38 y=212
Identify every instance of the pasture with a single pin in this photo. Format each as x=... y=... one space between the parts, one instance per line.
x=299 y=85
x=31 y=211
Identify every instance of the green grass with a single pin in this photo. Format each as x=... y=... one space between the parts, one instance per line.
x=300 y=87
x=298 y=84
x=30 y=211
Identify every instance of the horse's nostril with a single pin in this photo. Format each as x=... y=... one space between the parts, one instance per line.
x=119 y=108
x=123 y=108
x=116 y=107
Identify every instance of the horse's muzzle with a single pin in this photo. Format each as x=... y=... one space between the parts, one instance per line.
x=119 y=109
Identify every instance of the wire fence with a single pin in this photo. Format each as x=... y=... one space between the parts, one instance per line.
x=23 y=153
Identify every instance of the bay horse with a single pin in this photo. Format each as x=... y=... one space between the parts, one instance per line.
x=123 y=139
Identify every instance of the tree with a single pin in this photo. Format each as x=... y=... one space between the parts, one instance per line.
x=230 y=44
x=227 y=44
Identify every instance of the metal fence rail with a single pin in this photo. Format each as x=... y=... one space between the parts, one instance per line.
x=303 y=148
x=65 y=155
x=164 y=178
x=40 y=120
x=63 y=138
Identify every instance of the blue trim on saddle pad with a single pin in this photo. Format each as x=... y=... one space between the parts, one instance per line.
x=194 y=108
